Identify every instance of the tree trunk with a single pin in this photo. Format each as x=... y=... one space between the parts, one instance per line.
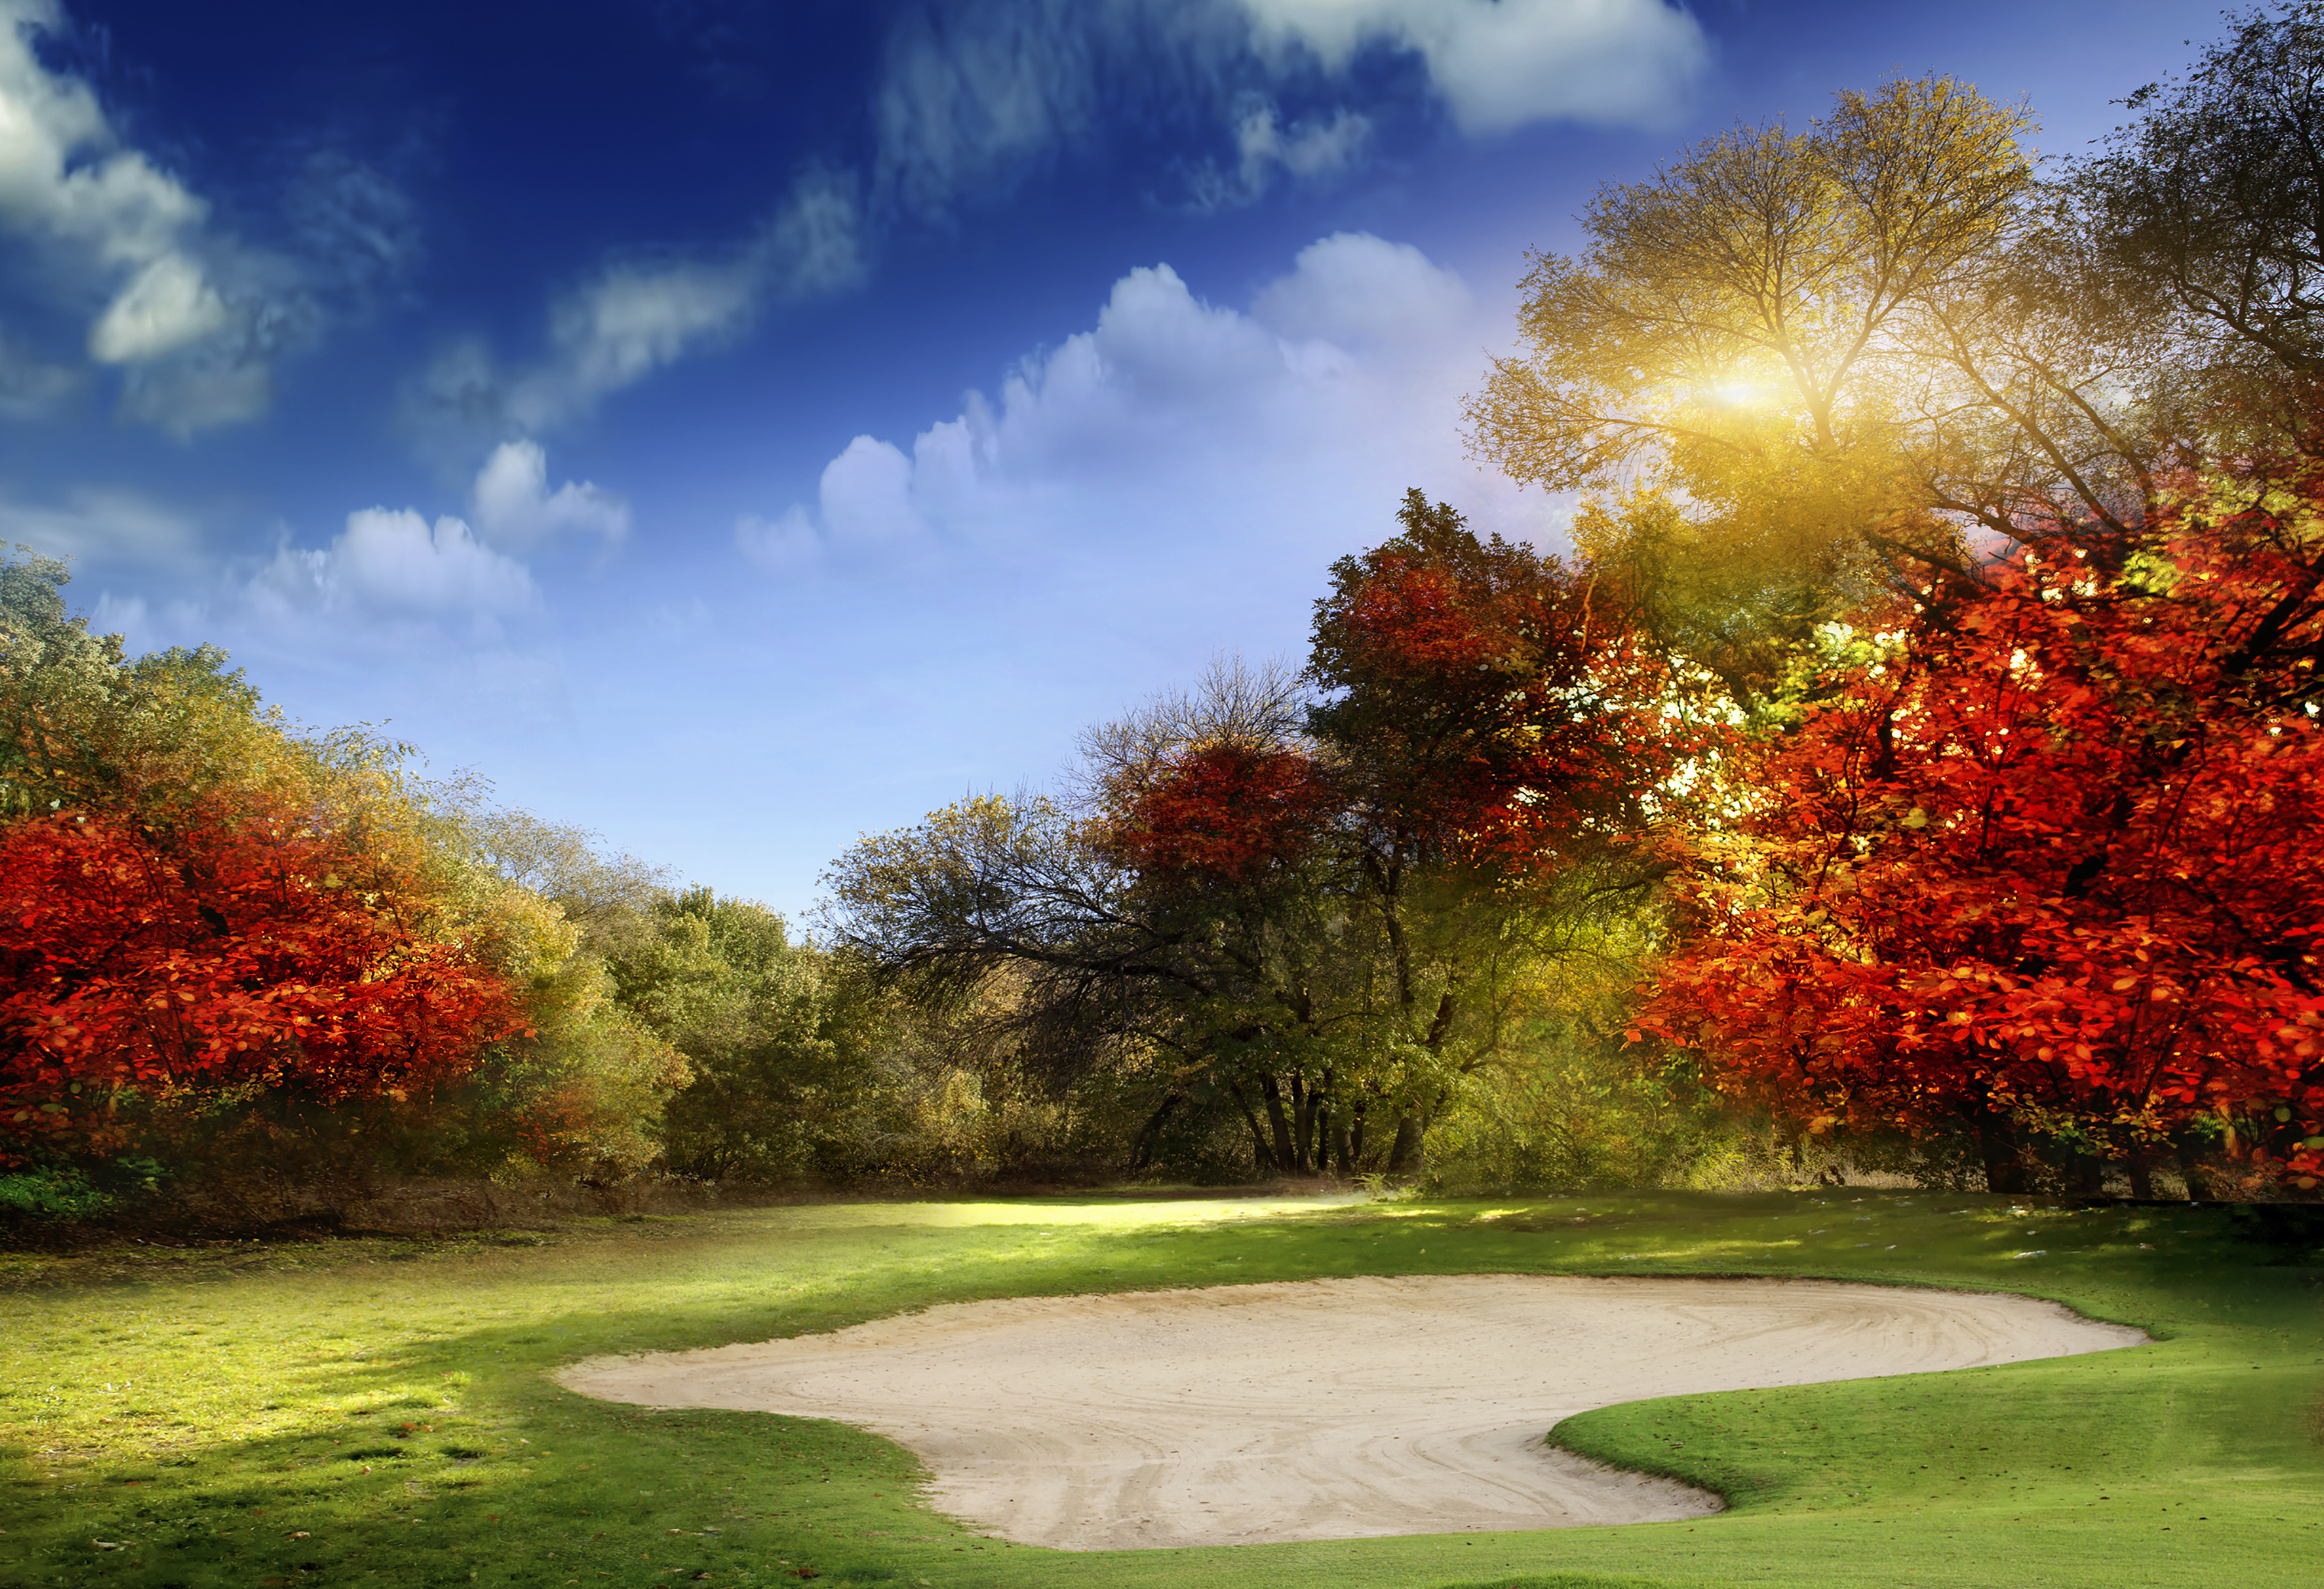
x=1997 y=1144
x=1403 y=1155
x=2190 y=1170
x=1285 y=1159
x=2090 y=1174
x=1143 y=1154
x=2142 y=1179
x=1304 y=1100
x=1356 y=1134
x=1258 y=1152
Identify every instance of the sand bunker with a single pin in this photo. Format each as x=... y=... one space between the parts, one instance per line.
x=1325 y=1409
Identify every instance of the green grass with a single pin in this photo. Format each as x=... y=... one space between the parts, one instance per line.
x=378 y=1413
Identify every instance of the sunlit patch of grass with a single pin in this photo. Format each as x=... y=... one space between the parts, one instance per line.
x=373 y=1412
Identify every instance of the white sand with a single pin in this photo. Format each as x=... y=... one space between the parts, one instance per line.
x=1325 y=1409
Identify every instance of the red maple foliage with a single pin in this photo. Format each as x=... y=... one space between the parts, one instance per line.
x=1227 y=811
x=245 y=949
x=1496 y=708
x=2044 y=865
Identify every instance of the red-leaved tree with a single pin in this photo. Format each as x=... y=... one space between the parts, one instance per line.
x=2038 y=864
x=1227 y=811
x=1495 y=710
x=250 y=948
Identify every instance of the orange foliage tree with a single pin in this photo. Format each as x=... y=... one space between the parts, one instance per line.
x=250 y=947
x=2036 y=868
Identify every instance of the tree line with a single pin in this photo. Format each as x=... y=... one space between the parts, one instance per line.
x=1914 y=766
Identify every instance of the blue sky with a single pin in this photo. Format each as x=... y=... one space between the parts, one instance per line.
x=735 y=426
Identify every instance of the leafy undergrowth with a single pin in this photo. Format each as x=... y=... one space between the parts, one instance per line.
x=378 y=1413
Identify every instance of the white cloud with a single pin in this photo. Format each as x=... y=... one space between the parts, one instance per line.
x=61 y=174
x=1309 y=149
x=392 y=564
x=814 y=244
x=778 y=545
x=1502 y=63
x=1355 y=291
x=513 y=507
x=192 y=320
x=166 y=308
x=867 y=514
x=1177 y=424
x=630 y=321
x=867 y=495
x=967 y=95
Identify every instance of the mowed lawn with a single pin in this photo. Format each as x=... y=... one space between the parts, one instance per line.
x=379 y=1412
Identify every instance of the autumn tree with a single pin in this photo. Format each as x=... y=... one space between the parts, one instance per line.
x=1796 y=358
x=250 y=951
x=1507 y=741
x=1175 y=926
x=1315 y=896
x=246 y=950
x=2036 y=868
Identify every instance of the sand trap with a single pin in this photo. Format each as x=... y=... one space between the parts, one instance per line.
x=1325 y=1409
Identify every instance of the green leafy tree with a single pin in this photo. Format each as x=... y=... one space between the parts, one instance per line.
x=2206 y=213
x=778 y=1037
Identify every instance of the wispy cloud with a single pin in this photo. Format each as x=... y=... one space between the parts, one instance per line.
x=971 y=97
x=1307 y=151
x=632 y=318
x=1500 y=64
x=108 y=528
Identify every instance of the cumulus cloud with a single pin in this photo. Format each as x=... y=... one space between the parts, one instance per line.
x=192 y=320
x=1364 y=293
x=514 y=507
x=867 y=510
x=393 y=563
x=1174 y=422
x=390 y=581
x=778 y=545
x=62 y=174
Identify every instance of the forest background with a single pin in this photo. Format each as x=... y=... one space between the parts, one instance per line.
x=1912 y=775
